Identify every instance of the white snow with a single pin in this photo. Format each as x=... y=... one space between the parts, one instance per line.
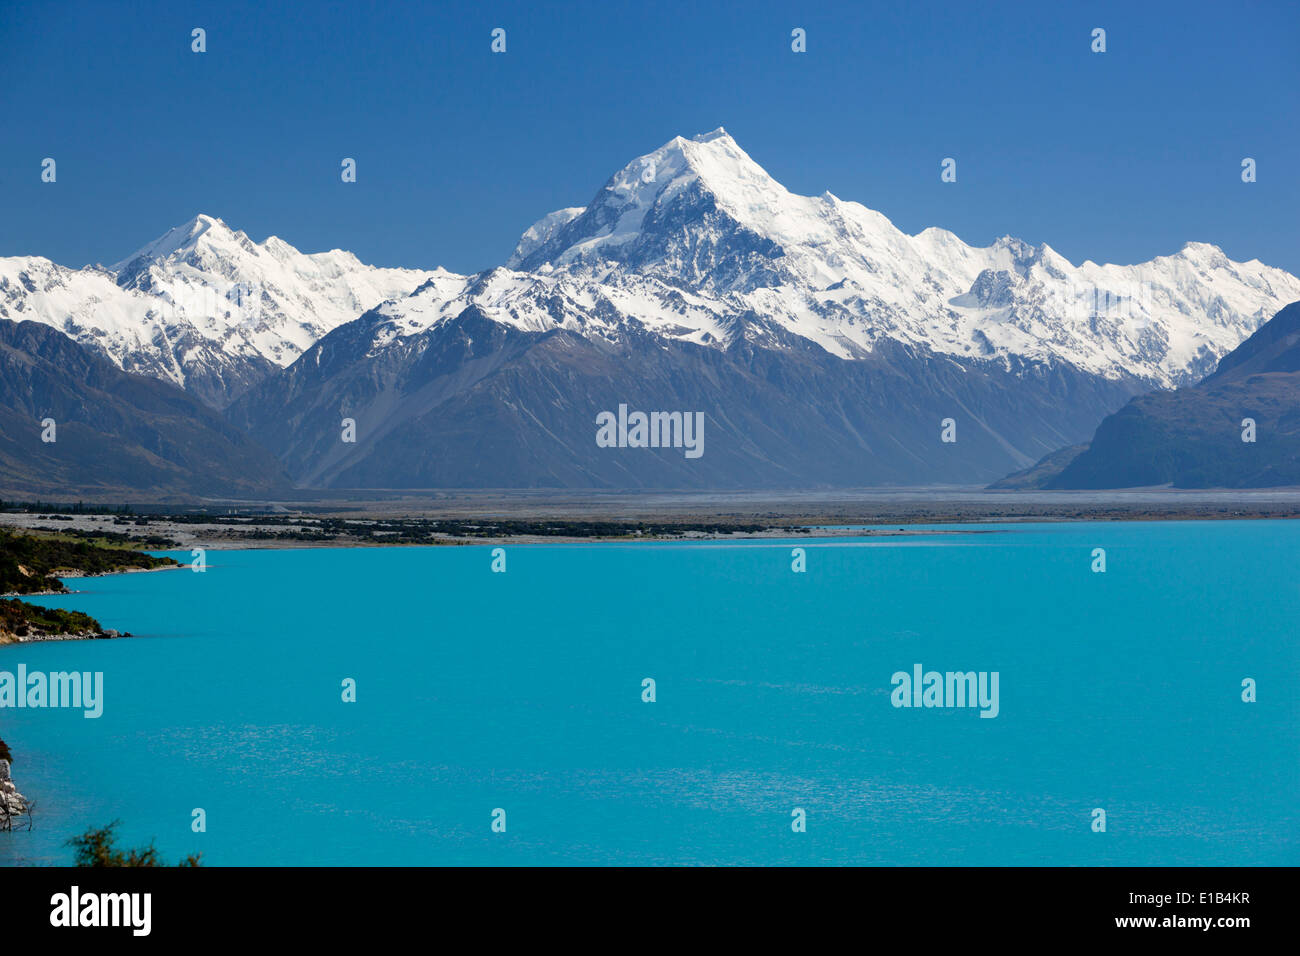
x=843 y=276
x=198 y=295
x=695 y=242
x=540 y=232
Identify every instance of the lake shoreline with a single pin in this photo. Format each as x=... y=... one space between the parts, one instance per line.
x=36 y=565
x=8 y=640
x=73 y=575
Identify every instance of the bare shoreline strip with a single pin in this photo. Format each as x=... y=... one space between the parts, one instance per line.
x=109 y=635
x=519 y=520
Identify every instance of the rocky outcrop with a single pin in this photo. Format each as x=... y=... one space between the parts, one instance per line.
x=12 y=803
x=27 y=634
x=21 y=622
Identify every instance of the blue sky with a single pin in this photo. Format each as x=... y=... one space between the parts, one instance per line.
x=1115 y=157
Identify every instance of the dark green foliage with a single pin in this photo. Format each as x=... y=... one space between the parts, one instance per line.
x=95 y=848
x=20 y=618
x=4 y=752
x=42 y=557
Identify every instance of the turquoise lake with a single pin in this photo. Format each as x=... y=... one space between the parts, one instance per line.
x=523 y=691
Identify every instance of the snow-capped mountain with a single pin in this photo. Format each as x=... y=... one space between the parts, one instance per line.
x=203 y=306
x=696 y=242
x=823 y=345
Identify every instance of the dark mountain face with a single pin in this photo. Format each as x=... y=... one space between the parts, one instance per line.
x=115 y=432
x=1193 y=437
x=474 y=403
x=1274 y=347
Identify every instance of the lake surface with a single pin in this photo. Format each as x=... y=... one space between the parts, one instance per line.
x=523 y=691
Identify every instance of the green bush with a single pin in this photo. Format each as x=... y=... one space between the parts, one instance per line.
x=42 y=557
x=95 y=848
x=19 y=617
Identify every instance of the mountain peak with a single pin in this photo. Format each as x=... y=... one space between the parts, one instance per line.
x=184 y=240
x=1205 y=252
x=200 y=225
x=695 y=233
x=711 y=164
x=710 y=137
x=715 y=156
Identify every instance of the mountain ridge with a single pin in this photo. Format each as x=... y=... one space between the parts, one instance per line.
x=202 y=306
x=691 y=279
x=695 y=234
x=692 y=252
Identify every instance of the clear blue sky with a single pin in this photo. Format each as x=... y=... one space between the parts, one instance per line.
x=1113 y=157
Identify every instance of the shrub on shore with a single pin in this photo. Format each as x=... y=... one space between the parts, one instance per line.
x=95 y=848
x=21 y=619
